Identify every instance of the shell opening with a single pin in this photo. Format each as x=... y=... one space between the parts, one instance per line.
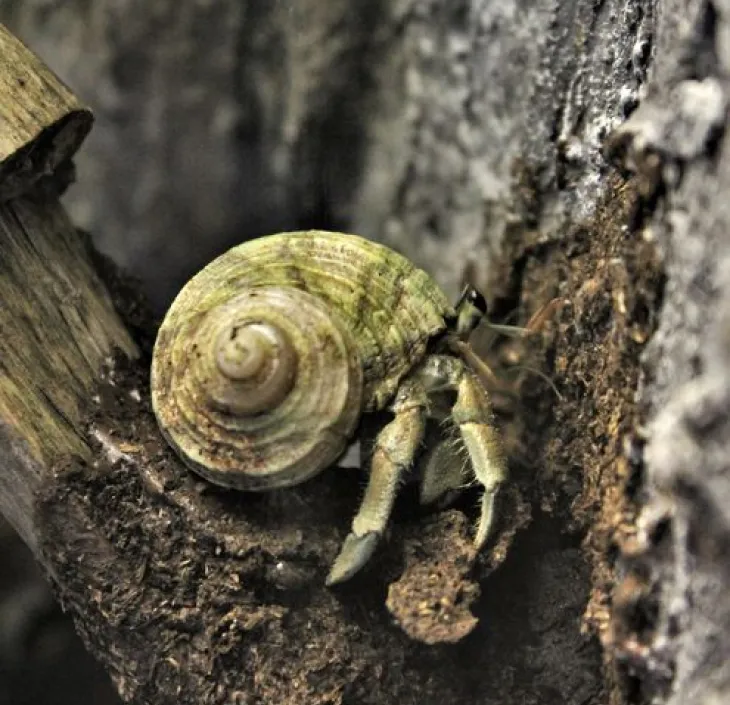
x=259 y=365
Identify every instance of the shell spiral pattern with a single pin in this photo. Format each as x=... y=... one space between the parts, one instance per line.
x=268 y=356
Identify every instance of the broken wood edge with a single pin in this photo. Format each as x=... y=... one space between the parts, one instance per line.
x=42 y=123
x=50 y=149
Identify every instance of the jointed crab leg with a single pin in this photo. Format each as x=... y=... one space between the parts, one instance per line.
x=478 y=366
x=395 y=447
x=472 y=415
x=397 y=444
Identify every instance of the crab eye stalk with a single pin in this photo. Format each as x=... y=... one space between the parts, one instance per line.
x=470 y=310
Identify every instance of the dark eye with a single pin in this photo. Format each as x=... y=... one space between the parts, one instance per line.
x=475 y=298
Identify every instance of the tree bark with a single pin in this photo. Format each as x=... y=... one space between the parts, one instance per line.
x=58 y=321
x=473 y=137
x=673 y=616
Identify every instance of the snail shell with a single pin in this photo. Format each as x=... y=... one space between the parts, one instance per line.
x=268 y=356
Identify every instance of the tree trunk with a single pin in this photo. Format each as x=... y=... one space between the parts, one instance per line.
x=473 y=137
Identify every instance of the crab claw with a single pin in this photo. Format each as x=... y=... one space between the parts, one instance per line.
x=354 y=554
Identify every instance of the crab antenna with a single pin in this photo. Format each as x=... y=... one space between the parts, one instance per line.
x=471 y=310
x=506 y=330
x=536 y=322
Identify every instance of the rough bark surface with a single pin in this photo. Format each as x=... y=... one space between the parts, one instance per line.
x=57 y=320
x=58 y=325
x=674 y=623
x=469 y=135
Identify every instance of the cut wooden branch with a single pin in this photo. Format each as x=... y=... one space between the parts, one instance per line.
x=42 y=123
x=59 y=327
x=57 y=320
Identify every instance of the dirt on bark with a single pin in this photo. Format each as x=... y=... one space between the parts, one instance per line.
x=209 y=595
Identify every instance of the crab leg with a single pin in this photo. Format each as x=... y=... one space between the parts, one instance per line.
x=472 y=415
x=393 y=453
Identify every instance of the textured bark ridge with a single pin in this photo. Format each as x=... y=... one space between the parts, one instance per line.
x=57 y=319
x=675 y=604
x=472 y=136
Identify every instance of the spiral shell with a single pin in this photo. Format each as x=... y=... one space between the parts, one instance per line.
x=268 y=356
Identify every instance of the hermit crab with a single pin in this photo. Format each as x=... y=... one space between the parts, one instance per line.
x=269 y=357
